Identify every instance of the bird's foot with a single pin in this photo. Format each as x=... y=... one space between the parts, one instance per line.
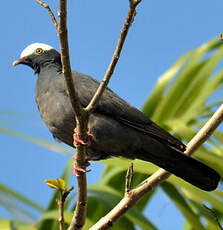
x=76 y=169
x=79 y=141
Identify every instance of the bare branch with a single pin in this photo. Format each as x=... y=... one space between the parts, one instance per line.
x=123 y=33
x=134 y=195
x=79 y=216
x=61 y=203
x=61 y=214
x=129 y=177
x=50 y=12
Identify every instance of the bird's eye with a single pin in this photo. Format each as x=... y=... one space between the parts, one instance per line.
x=39 y=51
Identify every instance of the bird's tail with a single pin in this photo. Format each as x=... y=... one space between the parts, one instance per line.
x=187 y=168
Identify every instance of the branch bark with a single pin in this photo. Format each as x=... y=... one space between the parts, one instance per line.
x=61 y=203
x=133 y=196
x=61 y=214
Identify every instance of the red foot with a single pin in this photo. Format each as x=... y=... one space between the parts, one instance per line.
x=78 y=141
x=76 y=169
x=86 y=163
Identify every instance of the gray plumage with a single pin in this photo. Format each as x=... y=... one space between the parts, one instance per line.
x=118 y=128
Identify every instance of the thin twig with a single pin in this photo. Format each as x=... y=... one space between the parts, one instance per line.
x=134 y=195
x=61 y=214
x=50 y=12
x=129 y=177
x=124 y=31
x=61 y=203
x=215 y=216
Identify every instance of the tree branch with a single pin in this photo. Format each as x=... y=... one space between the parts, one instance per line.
x=61 y=203
x=124 y=31
x=128 y=178
x=81 y=115
x=133 y=196
x=50 y=12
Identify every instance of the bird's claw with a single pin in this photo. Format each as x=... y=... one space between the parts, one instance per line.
x=79 y=141
x=76 y=169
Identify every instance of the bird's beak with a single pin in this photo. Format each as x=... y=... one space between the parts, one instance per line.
x=17 y=62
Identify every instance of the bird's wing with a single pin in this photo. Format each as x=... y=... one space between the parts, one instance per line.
x=112 y=105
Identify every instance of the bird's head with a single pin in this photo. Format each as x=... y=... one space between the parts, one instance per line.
x=38 y=55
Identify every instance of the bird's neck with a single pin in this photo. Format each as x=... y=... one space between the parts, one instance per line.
x=47 y=76
x=48 y=66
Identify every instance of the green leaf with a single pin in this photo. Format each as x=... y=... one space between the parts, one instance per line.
x=58 y=184
x=61 y=184
x=50 y=223
x=205 y=213
x=53 y=215
x=18 y=212
x=102 y=210
x=192 y=96
x=162 y=83
x=48 y=145
x=115 y=178
x=109 y=197
x=187 y=226
x=167 y=105
x=200 y=196
x=5 y=224
x=52 y=184
x=26 y=227
x=218 y=193
x=182 y=205
x=17 y=196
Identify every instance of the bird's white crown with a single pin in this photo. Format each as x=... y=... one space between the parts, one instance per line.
x=31 y=48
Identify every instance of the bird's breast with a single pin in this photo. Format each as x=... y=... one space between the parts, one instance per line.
x=56 y=111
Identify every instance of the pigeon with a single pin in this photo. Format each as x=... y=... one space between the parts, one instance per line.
x=117 y=129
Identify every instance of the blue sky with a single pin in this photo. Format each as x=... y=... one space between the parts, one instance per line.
x=161 y=33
